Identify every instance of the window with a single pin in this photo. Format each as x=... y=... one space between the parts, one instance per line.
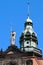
x=12 y=63
x=12 y=34
x=27 y=46
x=28 y=42
x=29 y=62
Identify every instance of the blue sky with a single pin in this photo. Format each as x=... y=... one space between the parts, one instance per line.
x=15 y=12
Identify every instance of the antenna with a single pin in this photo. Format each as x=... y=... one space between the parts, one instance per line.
x=28 y=8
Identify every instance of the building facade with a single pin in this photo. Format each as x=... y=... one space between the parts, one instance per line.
x=28 y=53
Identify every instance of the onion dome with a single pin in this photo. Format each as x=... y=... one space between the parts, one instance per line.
x=28 y=39
x=28 y=22
x=28 y=35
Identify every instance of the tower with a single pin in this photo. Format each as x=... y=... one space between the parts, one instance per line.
x=28 y=39
x=13 y=35
x=28 y=53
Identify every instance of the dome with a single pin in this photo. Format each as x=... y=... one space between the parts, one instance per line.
x=29 y=20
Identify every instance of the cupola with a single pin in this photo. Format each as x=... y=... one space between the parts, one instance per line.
x=28 y=39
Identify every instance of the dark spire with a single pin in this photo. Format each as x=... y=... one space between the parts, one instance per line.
x=28 y=8
x=11 y=26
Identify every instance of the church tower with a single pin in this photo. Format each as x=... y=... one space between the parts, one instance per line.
x=28 y=53
x=28 y=38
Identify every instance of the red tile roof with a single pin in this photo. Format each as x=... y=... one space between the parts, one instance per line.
x=37 y=61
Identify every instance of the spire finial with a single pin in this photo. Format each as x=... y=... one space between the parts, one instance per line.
x=28 y=9
x=11 y=27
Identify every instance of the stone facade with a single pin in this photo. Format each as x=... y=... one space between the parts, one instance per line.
x=13 y=56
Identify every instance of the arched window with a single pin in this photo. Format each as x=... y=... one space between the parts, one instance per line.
x=29 y=62
x=11 y=63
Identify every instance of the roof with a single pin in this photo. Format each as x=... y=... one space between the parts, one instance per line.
x=14 y=52
x=29 y=20
x=37 y=61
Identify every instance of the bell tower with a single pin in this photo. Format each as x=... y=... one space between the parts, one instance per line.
x=28 y=38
